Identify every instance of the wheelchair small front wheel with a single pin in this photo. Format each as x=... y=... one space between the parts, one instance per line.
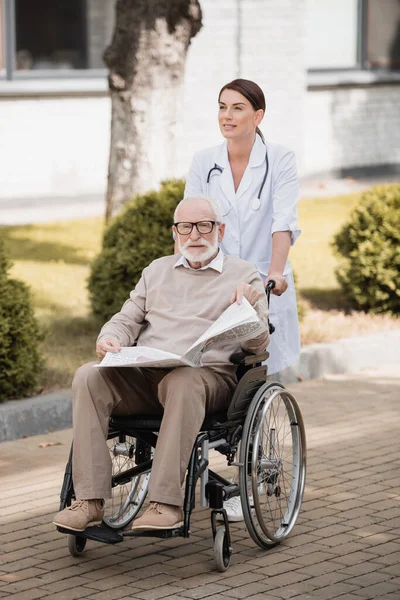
x=76 y=544
x=222 y=551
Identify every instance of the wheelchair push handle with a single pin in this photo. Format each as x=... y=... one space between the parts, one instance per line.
x=270 y=286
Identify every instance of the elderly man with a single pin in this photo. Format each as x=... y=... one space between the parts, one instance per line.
x=175 y=301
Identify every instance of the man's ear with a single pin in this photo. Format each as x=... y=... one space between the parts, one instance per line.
x=174 y=232
x=221 y=232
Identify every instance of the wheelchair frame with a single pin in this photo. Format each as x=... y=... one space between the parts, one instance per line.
x=254 y=402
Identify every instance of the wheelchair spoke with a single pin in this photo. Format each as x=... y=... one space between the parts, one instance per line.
x=128 y=496
x=276 y=465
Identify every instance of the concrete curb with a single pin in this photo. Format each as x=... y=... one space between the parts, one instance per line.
x=33 y=416
x=348 y=355
x=40 y=414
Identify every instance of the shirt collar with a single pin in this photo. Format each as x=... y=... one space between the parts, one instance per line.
x=258 y=151
x=217 y=263
x=257 y=154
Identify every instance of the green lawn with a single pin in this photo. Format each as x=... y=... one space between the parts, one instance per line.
x=312 y=256
x=54 y=260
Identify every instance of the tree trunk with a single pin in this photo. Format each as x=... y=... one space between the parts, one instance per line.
x=146 y=61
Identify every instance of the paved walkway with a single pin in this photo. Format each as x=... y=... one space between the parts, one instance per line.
x=346 y=544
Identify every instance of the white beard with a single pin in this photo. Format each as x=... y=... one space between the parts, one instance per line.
x=212 y=248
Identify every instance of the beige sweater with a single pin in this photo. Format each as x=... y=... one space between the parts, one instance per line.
x=171 y=307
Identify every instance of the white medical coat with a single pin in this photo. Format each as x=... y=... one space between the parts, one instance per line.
x=248 y=232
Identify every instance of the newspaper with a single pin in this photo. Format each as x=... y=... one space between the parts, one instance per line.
x=239 y=322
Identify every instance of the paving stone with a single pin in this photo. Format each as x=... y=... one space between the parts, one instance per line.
x=292 y=590
x=330 y=592
x=159 y=580
x=24 y=563
x=114 y=594
x=369 y=579
x=312 y=558
x=202 y=591
x=21 y=575
x=379 y=589
x=353 y=558
x=279 y=568
x=20 y=586
x=160 y=592
x=30 y=594
x=67 y=584
x=321 y=568
x=271 y=558
x=246 y=591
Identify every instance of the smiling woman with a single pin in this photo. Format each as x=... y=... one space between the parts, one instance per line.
x=255 y=183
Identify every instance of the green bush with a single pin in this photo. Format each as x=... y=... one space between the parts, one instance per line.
x=140 y=234
x=20 y=358
x=301 y=307
x=368 y=247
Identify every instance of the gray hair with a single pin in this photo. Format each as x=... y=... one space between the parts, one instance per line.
x=214 y=205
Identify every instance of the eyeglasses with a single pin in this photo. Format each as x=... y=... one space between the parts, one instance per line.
x=184 y=228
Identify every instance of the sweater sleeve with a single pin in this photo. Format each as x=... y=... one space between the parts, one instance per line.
x=129 y=321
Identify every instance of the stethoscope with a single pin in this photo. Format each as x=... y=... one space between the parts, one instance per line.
x=256 y=202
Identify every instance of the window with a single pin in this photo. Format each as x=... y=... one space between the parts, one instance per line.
x=353 y=34
x=332 y=34
x=383 y=34
x=54 y=37
x=50 y=34
x=2 y=48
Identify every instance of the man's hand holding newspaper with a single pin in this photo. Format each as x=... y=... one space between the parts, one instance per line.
x=238 y=322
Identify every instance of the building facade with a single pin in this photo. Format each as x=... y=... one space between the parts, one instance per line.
x=330 y=70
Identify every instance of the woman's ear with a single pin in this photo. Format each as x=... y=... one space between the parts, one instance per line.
x=259 y=116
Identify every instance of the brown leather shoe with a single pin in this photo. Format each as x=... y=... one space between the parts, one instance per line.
x=80 y=514
x=159 y=516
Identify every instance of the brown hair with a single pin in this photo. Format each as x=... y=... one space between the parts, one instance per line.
x=251 y=91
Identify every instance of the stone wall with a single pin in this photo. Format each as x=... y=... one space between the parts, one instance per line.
x=352 y=127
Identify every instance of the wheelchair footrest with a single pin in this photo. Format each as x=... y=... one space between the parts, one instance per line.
x=97 y=533
x=159 y=533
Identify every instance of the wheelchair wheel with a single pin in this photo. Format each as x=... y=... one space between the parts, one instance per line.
x=76 y=544
x=127 y=497
x=222 y=552
x=273 y=459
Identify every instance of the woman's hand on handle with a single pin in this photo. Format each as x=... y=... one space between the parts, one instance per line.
x=281 y=284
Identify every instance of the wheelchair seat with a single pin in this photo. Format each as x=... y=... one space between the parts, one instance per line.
x=153 y=422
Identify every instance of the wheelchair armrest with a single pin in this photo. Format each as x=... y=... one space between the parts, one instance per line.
x=247 y=358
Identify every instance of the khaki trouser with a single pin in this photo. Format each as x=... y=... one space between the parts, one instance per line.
x=182 y=395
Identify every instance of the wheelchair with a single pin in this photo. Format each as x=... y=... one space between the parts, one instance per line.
x=261 y=433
